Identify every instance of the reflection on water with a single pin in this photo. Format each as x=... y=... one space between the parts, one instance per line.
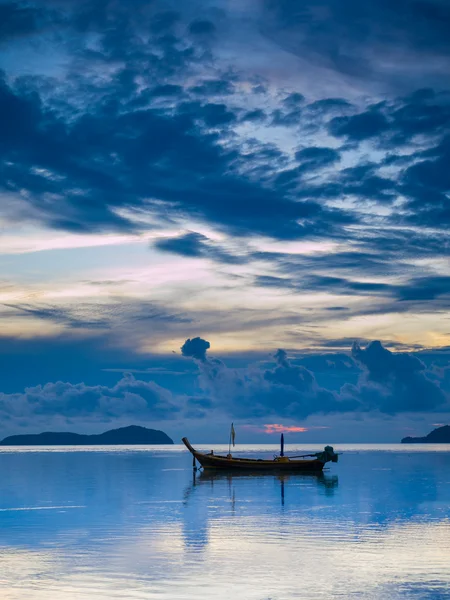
x=140 y=524
x=329 y=482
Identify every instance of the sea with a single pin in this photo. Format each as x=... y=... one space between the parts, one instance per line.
x=99 y=523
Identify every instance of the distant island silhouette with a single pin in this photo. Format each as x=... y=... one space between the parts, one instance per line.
x=441 y=435
x=133 y=434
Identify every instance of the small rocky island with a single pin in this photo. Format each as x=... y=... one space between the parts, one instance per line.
x=441 y=435
x=133 y=435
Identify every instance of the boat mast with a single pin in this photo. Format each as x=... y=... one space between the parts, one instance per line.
x=232 y=434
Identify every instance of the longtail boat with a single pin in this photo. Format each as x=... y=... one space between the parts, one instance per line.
x=310 y=463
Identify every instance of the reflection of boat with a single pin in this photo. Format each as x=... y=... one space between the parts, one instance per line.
x=309 y=463
x=327 y=481
x=313 y=476
x=288 y=480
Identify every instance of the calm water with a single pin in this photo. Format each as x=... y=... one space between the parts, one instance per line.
x=104 y=523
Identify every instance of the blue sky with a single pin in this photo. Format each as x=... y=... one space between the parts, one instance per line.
x=261 y=175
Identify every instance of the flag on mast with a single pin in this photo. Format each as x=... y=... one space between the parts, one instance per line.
x=233 y=434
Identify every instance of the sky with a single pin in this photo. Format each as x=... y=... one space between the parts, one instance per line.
x=225 y=211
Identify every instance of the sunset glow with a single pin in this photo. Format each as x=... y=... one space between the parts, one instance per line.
x=278 y=428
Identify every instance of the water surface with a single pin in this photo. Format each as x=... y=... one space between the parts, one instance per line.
x=134 y=523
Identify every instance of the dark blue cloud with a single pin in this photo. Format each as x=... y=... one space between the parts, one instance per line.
x=389 y=383
x=289 y=118
x=19 y=19
x=426 y=183
x=216 y=115
x=425 y=288
x=327 y=106
x=316 y=157
x=293 y=100
x=355 y=38
x=149 y=147
x=396 y=382
x=155 y=126
x=196 y=245
x=421 y=294
x=359 y=127
x=256 y=116
x=95 y=316
x=166 y=90
x=202 y=27
x=128 y=398
x=286 y=390
x=213 y=87
x=191 y=244
x=164 y=21
x=425 y=112
x=195 y=348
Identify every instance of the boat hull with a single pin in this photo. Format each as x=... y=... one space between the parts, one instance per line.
x=242 y=464
x=228 y=463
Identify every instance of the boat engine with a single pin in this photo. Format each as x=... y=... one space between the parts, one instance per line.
x=328 y=455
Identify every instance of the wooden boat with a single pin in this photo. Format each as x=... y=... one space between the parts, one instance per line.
x=310 y=463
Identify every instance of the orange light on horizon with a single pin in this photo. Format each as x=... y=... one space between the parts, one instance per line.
x=278 y=428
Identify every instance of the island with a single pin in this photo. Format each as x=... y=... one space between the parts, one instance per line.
x=132 y=435
x=441 y=435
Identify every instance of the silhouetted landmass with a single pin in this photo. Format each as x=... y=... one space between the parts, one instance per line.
x=125 y=435
x=441 y=435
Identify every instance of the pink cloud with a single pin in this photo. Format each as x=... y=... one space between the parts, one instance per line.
x=278 y=428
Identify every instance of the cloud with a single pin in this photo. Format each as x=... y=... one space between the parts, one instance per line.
x=359 y=127
x=92 y=316
x=373 y=381
x=316 y=157
x=213 y=87
x=332 y=284
x=425 y=288
x=49 y=158
x=286 y=390
x=414 y=291
x=202 y=27
x=393 y=383
x=196 y=245
x=426 y=184
x=278 y=428
x=357 y=41
x=425 y=112
x=18 y=20
x=389 y=383
x=195 y=348
x=128 y=398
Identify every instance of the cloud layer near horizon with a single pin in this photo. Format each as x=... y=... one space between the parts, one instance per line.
x=387 y=383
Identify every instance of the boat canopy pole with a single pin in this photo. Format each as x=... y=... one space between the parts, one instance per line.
x=327 y=455
x=302 y=456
